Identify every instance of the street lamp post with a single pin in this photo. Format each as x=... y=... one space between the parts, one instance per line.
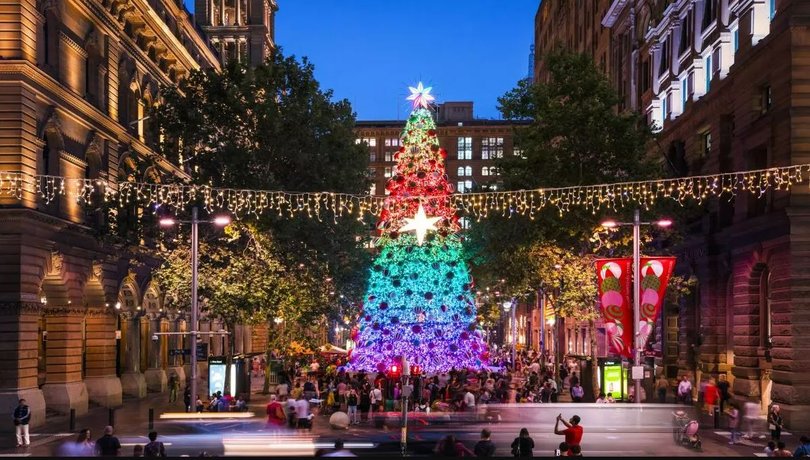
x=511 y=306
x=195 y=307
x=637 y=223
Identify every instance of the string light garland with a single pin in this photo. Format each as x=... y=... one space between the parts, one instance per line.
x=318 y=205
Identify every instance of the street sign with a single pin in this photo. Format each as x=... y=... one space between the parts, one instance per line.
x=202 y=351
x=179 y=352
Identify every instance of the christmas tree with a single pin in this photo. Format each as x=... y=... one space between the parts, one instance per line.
x=420 y=304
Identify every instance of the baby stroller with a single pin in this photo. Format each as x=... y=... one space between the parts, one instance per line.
x=685 y=431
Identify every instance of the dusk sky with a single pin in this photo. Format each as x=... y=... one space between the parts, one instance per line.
x=369 y=51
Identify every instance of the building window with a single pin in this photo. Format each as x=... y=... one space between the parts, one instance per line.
x=372 y=173
x=491 y=148
x=709 y=12
x=666 y=55
x=468 y=170
x=766 y=98
x=489 y=171
x=684 y=91
x=668 y=106
x=465 y=148
x=771 y=9
x=735 y=39
x=706 y=143
x=645 y=75
x=373 y=189
x=463 y=186
x=464 y=223
x=389 y=171
x=687 y=25
x=709 y=72
x=392 y=142
x=389 y=156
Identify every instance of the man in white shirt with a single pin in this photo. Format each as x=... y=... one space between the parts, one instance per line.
x=685 y=391
x=376 y=398
x=281 y=389
x=469 y=401
x=302 y=412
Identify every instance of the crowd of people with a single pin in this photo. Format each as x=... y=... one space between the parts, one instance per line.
x=108 y=445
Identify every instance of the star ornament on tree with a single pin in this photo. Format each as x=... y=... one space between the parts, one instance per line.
x=421 y=96
x=421 y=224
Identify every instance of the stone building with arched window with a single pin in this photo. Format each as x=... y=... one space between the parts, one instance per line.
x=78 y=314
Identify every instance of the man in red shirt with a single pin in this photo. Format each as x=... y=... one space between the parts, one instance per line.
x=572 y=431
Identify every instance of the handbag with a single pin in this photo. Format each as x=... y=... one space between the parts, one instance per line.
x=771 y=427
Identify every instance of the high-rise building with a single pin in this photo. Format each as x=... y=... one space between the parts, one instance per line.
x=241 y=30
x=721 y=82
x=472 y=146
x=79 y=313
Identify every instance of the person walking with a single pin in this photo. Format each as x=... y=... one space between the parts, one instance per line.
x=351 y=404
x=377 y=402
x=154 y=448
x=734 y=423
x=750 y=416
x=523 y=445
x=710 y=396
x=275 y=413
x=775 y=423
x=661 y=387
x=723 y=389
x=577 y=392
x=685 y=391
x=573 y=430
x=108 y=445
x=187 y=398
x=84 y=444
x=22 y=417
x=484 y=447
x=174 y=385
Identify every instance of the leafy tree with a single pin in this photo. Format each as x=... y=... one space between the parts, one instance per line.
x=273 y=128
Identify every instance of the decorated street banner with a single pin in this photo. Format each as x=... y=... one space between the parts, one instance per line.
x=615 y=303
x=654 y=276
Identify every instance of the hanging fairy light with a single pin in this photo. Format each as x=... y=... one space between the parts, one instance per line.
x=320 y=205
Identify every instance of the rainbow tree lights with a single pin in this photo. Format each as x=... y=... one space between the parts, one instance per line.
x=420 y=303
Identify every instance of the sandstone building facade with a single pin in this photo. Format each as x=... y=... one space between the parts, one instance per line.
x=724 y=83
x=79 y=314
x=241 y=30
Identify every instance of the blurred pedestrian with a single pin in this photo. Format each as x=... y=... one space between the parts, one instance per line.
x=573 y=430
x=723 y=389
x=661 y=387
x=275 y=413
x=804 y=449
x=22 y=417
x=523 y=445
x=576 y=451
x=187 y=398
x=449 y=446
x=577 y=392
x=485 y=447
x=685 y=391
x=770 y=449
x=602 y=399
x=781 y=450
x=154 y=448
x=775 y=423
x=108 y=445
x=351 y=403
x=174 y=385
x=562 y=450
x=734 y=423
x=85 y=447
x=710 y=396
x=750 y=416
x=137 y=450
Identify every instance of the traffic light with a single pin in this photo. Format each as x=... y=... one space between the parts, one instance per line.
x=394 y=371
x=416 y=370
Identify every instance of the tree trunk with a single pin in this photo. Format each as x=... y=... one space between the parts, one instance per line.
x=594 y=363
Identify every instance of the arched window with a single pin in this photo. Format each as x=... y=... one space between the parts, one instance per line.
x=468 y=171
x=485 y=171
x=460 y=171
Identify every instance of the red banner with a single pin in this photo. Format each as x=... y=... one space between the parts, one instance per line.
x=654 y=276
x=614 y=279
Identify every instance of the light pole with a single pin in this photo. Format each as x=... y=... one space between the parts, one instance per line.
x=195 y=307
x=636 y=224
x=511 y=306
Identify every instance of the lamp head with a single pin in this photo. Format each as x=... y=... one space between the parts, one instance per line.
x=222 y=220
x=167 y=221
x=664 y=223
x=610 y=224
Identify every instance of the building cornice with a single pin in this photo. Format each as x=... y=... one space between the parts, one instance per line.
x=613 y=13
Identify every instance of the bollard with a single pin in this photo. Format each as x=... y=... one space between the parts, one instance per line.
x=716 y=417
x=151 y=419
x=111 y=417
x=72 y=420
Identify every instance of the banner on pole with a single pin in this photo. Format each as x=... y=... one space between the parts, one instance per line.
x=654 y=275
x=613 y=281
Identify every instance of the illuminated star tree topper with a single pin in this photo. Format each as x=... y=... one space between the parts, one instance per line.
x=420 y=96
x=421 y=224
